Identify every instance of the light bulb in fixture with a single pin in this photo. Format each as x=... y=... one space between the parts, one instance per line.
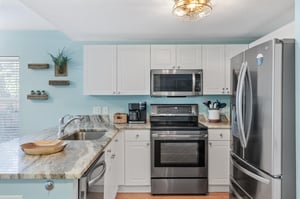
x=192 y=9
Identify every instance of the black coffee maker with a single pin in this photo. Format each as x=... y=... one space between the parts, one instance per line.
x=137 y=113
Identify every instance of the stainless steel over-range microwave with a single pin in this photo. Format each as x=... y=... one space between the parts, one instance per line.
x=172 y=82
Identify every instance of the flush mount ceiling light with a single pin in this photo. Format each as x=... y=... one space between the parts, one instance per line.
x=192 y=10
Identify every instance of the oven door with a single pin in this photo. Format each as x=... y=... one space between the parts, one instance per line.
x=177 y=154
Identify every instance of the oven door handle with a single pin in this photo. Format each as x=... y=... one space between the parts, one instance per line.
x=155 y=135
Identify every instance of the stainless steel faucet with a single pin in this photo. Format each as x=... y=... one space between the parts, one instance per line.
x=62 y=124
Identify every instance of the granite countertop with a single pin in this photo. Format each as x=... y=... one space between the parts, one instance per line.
x=68 y=164
x=218 y=125
x=133 y=126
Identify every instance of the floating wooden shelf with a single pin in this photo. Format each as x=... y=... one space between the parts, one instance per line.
x=59 y=82
x=38 y=66
x=37 y=97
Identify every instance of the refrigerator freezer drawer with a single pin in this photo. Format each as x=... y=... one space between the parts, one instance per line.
x=248 y=183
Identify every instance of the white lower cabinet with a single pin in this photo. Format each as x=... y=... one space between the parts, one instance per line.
x=218 y=159
x=137 y=157
x=114 y=167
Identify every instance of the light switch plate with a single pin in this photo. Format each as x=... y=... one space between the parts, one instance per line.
x=97 y=110
x=105 y=110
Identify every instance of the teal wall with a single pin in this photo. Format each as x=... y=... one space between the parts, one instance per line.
x=33 y=47
x=297 y=35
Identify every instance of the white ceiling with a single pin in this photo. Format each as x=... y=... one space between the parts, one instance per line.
x=146 y=20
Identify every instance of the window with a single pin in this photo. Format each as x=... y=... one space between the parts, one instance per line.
x=9 y=98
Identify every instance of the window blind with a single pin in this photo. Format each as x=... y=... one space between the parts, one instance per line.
x=9 y=98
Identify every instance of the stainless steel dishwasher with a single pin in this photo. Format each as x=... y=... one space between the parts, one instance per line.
x=95 y=174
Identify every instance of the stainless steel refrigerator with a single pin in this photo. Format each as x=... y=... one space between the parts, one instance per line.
x=262 y=161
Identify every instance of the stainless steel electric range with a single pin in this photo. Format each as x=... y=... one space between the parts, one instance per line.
x=178 y=150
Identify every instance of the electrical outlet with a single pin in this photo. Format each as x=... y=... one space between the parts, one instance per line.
x=97 y=110
x=105 y=110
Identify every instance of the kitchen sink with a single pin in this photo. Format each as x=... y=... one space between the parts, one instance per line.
x=84 y=135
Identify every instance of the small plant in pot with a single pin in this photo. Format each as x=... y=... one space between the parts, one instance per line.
x=60 y=61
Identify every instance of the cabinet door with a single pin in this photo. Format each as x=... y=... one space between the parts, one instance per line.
x=213 y=57
x=218 y=162
x=189 y=57
x=119 y=159
x=163 y=56
x=137 y=163
x=231 y=51
x=133 y=65
x=99 y=70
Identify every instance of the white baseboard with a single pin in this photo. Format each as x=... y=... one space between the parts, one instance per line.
x=132 y=189
x=218 y=188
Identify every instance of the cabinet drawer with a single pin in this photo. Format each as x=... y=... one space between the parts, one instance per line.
x=137 y=135
x=219 y=134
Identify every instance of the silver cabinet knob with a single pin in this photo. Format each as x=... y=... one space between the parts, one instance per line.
x=221 y=135
x=108 y=150
x=116 y=140
x=210 y=143
x=174 y=67
x=113 y=156
x=114 y=92
x=137 y=135
x=178 y=67
x=118 y=92
x=49 y=185
x=148 y=144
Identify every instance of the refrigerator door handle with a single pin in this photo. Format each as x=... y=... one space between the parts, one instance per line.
x=250 y=104
x=249 y=173
x=239 y=103
x=233 y=189
x=235 y=192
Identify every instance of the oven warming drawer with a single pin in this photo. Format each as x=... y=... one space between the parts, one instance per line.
x=179 y=186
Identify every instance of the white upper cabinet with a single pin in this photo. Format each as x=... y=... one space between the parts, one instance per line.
x=189 y=57
x=216 y=67
x=213 y=57
x=175 y=56
x=163 y=56
x=133 y=63
x=117 y=70
x=231 y=51
x=99 y=69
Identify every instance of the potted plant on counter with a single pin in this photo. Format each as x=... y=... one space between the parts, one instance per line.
x=60 y=60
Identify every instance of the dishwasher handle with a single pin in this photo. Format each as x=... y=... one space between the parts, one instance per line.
x=91 y=182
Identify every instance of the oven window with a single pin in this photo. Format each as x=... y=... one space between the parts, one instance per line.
x=173 y=82
x=179 y=153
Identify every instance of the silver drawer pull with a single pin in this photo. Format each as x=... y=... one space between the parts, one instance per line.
x=250 y=174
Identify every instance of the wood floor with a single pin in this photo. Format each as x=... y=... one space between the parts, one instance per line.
x=149 y=196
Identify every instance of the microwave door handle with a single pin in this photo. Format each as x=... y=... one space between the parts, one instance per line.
x=194 y=82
